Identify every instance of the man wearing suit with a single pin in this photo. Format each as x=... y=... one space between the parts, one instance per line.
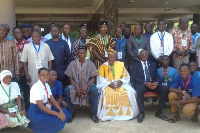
x=65 y=36
x=145 y=79
x=134 y=45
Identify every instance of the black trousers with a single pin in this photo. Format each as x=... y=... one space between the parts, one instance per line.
x=26 y=91
x=141 y=89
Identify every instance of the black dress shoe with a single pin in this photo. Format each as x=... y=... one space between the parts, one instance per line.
x=140 y=117
x=161 y=116
x=71 y=118
x=94 y=118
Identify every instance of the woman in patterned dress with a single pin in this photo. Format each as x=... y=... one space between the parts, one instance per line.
x=10 y=101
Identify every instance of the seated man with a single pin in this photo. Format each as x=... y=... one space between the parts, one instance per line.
x=117 y=98
x=145 y=77
x=167 y=74
x=82 y=73
x=187 y=96
x=193 y=70
x=56 y=88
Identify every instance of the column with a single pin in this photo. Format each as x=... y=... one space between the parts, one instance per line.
x=7 y=13
x=93 y=23
x=111 y=14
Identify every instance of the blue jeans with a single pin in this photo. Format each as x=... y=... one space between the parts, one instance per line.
x=93 y=91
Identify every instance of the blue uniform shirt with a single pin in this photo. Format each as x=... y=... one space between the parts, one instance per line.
x=170 y=78
x=197 y=75
x=121 y=47
x=192 y=88
x=61 y=53
x=57 y=89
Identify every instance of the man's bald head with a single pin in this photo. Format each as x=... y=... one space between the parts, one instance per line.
x=183 y=23
x=138 y=30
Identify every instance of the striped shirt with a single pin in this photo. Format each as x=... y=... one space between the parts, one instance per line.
x=9 y=57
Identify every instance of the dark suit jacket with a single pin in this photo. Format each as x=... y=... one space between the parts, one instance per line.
x=133 y=46
x=72 y=40
x=138 y=72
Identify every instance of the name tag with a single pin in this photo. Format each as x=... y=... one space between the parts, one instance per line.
x=184 y=42
x=119 y=54
x=106 y=54
x=38 y=64
x=12 y=110
x=161 y=51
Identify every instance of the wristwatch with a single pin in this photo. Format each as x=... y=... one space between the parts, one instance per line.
x=183 y=92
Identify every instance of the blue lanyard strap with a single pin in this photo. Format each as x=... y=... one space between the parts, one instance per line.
x=119 y=42
x=37 y=50
x=81 y=41
x=160 y=37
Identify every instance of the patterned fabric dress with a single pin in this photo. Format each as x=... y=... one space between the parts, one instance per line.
x=115 y=104
x=75 y=47
x=81 y=74
x=20 y=120
x=3 y=121
x=101 y=44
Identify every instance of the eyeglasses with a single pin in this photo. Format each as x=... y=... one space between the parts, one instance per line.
x=44 y=75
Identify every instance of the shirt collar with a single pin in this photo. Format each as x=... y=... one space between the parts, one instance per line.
x=41 y=84
x=63 y=37
x=143 y=62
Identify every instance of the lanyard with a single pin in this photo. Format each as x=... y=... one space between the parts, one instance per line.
x=160 y=37
x=147 y=36
x=81 y=41
x=105 y=39
x=113 y=71
x=6 y=92
x=193 y=37
x=165 y=74
x=119 y=42
x=139 y=41
x=37 y=50
x=47 y=94
x=185 y=86
x=19 y=45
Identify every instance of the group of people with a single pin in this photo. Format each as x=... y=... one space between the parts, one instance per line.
x=56 y=72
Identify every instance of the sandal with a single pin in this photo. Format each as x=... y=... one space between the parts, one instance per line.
x=174 y=119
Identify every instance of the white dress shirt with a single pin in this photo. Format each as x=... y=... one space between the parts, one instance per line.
x=155 y=44
x=38 y=92
x=68 y=42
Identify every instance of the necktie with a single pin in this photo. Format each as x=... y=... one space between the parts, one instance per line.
x=147 y=73
x=162 y=42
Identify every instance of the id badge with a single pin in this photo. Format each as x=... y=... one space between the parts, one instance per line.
x=139 y=51
x=119 y=54
x=20 y=55
x=165 y=84
x=106 y=54
x=12 y=110
x=48 y=105
x=184 y=42
x=161 y=50
x=38 y=64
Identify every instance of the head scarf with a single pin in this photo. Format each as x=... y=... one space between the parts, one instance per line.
x=4 y=73
x=82 y=47
x=111 y=51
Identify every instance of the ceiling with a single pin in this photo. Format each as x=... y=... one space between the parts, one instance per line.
x=77 y=11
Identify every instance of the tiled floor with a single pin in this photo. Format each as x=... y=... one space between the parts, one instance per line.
x=83 y=124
